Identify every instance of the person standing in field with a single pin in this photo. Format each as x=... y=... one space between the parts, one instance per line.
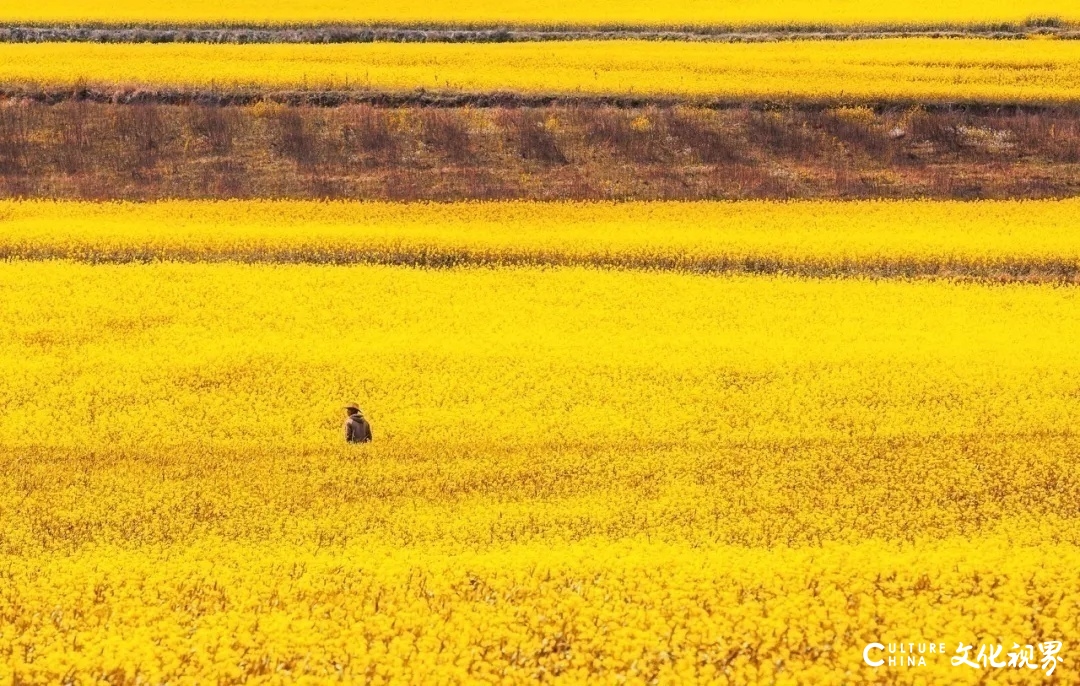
x=357 y=429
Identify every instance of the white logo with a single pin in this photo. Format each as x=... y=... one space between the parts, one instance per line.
x=912 y=654
x=866 y=654
x=989 y=656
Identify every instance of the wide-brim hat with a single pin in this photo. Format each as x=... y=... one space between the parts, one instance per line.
x=352 y=407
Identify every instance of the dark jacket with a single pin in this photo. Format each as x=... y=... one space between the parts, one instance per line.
x=357 y=429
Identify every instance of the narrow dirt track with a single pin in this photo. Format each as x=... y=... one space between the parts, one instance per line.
x=502 y=34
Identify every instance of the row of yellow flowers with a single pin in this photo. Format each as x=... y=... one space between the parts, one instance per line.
x=546 y=12
x=905 y=69
x=874 y=238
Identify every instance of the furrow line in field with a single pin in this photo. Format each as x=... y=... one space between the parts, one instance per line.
x=1030 y=270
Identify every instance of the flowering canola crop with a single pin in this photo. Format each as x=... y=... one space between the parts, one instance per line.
x=546 y=12
x=577 y=473
x=908 y=69
x=985 y=239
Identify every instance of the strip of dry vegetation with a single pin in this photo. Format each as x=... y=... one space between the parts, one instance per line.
x=1015 y=270
x=80 y=149
x=513 y=34
x=344 y=31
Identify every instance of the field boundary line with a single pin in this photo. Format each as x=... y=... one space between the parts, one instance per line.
x=240 y=97
x=405 y=33
x=1020 y=270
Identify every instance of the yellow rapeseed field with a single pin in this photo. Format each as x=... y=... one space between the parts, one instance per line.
x=546 y=12
x=1016 y=238
x=578 y=473
x=916 y=69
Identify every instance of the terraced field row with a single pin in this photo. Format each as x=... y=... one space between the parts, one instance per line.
x=904 y=70
x=578 y=472
x=557 y=13
x=1010 y=240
